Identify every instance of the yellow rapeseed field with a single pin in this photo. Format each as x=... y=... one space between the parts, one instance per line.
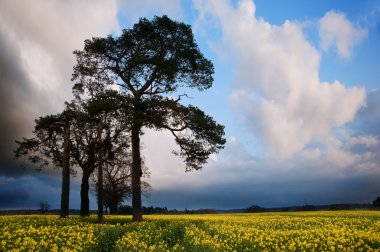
x=300 y=231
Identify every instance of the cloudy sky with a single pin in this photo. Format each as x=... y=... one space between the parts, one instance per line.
x=296 y=86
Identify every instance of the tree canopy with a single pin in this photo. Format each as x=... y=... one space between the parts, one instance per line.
x=51 y=144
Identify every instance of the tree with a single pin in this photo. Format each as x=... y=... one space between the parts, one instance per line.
x=255 y=209
x=376 y=202
x=44 y=206
x=84 y=144
x=99 y=138
x=116 y=187
x=74 y=136
x=149 y=62
x=111 y=142
x=51 y=145
x=117 y=181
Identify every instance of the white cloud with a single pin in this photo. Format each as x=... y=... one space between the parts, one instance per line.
x=311 y=154
x=340 y=158
x=367 y=141
x=45 y=33
x=168 y=171
x=37 y=41
x=277 y=86
x=335 y=30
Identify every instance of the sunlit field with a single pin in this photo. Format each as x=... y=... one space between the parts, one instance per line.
x=301 y=231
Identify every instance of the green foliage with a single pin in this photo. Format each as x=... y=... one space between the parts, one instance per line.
x=106 y=236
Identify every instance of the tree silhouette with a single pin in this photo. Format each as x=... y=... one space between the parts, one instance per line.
x=51 y=145
x=116 y=186
x=82 y=135
x=376 y=202
x=44 y=206
x=148 y=63
x=117 y=181
x=100 y=139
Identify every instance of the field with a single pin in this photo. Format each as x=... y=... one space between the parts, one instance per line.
x=301 y=231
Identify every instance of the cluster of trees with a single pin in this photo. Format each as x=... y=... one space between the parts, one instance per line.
x=123 y=85
x=376 y=202
x=126 y=209
x=255 y=209
x=44 y=206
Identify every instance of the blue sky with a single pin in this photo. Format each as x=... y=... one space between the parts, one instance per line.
x=296 y=86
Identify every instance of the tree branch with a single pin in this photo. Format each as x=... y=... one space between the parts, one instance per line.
x=149 y=82
x=119 y=73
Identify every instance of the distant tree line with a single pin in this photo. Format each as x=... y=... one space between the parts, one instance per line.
x=308 y=207
x=126 y=209
x=255 y=209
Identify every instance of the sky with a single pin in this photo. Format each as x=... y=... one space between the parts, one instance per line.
x=296 y=86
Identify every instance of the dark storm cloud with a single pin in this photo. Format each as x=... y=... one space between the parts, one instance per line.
x=25 y=191
x=36 y=60
x=271 y=193
x=12 y=198
x=15 y=94
x=21 y=102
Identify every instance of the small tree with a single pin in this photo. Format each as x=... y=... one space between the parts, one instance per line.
x=43 y=206
x=150 y=62
x=116 y=186
x=117 y=182
x=51 y=144
x=376 y=202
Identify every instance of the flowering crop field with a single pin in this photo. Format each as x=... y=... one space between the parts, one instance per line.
x=300 y=231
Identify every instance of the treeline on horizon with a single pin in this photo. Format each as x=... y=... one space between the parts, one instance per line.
x=128 y=210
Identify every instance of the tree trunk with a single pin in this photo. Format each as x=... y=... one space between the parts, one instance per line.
x=113 y=199
x=84 y=200
x=136 y=173
x=100 y=172
x=113 y=208
x=100 y=191
x=65 y=174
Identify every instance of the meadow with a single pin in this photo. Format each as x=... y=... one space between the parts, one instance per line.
x=297 y=231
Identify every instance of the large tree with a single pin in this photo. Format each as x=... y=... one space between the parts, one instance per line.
x=105 y=110
x=100 y=137
x=148 y=63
